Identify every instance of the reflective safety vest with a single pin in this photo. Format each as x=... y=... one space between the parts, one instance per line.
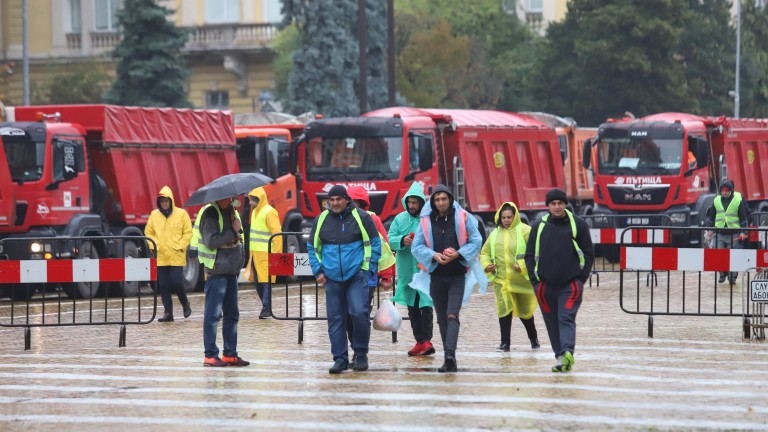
x=573 y=239
x=387 y=259
x=206 y=256
x=260 y=234
x=727 y=218
x=519 y=249
x=367 y=251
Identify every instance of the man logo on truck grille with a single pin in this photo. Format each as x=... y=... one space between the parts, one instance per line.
x=637 y=196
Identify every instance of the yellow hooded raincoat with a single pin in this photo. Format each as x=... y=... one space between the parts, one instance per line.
x=264 y=218
x=514 y=292
x=171 y=233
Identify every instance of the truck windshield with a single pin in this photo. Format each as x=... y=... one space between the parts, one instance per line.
x=625 y=155
x=354 y=158
x=25 y=157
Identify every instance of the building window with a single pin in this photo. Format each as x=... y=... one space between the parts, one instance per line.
x=222 y=11
x=74 y=16
x=217 y=100
x=535 y=5
x=105 y=14
x=272 y=11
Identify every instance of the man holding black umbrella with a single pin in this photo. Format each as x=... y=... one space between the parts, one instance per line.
x=220 y=250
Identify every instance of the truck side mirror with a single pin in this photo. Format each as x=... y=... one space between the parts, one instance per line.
x=65 y=160
x=426 y=153
x=586 y=153
x=702 y=153
x=293 y=163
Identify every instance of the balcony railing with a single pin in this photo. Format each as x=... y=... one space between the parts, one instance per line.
x=236 y=37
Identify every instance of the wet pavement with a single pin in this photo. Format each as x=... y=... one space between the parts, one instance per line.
x=696 y=373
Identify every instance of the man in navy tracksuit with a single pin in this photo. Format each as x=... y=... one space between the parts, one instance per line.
x=559 y=258
x=344 y=249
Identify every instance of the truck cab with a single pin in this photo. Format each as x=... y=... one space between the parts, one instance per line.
x=7 y=192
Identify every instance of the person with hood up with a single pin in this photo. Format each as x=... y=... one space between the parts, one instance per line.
x=171 y=230
x=344 y=249
x=728 y=213
x=502 y=257
x=560 y=252
x=446 y=243
x=265 y=221
x=401 y=234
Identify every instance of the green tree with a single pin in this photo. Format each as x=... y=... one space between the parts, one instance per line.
x=754 y=61
x=151 y=70
x=286 y=43
x=325 y=74
x=83 y=82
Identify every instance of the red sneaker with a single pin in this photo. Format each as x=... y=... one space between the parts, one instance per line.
x=213 y=362
x=416 y=350
x=427 y=348
x=234 y=361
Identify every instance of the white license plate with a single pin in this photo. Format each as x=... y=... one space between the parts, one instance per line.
x=638 y=221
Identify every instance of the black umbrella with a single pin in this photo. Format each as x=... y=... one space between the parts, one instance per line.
x=228 y=186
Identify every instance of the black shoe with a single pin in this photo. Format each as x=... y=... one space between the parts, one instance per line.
x=732 y=281
x=535 y=343
x=167 y=317
x=361 y=363
x=449 y=365
x=339 y=366
x=187 y=310
x=265 y=313
x=503 y=347
x=722 y=278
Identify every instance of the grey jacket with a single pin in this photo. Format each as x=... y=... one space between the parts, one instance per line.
x=229 y=258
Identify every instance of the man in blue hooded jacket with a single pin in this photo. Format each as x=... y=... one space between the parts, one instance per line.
x=343 y=248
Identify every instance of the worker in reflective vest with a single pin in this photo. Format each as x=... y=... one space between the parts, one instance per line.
x=503 y=258
x=729 y=212
x=344 y=249
x=265 y=221
x=560 y=252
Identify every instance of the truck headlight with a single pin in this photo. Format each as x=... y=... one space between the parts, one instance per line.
x=678 y=218
x=36 y=247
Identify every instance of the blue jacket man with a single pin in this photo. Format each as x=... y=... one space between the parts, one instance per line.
x=344 y=247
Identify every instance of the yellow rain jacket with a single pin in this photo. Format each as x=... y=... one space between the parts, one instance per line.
x=171 y=233
x=265 y=221
x=514 y=292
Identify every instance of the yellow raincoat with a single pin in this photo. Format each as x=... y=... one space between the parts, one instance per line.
x=264 y=218
x=172 y=233
x=514 y=292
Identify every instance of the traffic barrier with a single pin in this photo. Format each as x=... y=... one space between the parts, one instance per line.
x=307 y=306
x=753 y=306
x=42 y=292
x=692 y=283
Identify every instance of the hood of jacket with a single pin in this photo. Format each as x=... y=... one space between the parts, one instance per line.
x=515 y=220
x=727 y=184
x=359 y=193
x=165 y=192
x=439 y=188
x=416 y=191
x=260 y=195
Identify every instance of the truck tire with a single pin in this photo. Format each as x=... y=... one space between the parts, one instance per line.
x=21 y=292
x=130 y=250
x=192 y=275
x=85 y=290
x=612 y=253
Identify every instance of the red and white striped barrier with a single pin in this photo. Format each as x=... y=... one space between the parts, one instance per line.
x=289 y=264
x=78 y=270
x=691 y=259
x=633 y=236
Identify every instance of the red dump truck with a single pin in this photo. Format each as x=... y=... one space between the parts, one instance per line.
x=7 y=193
x=670 y=165
x=95 y=170
x=503 y=156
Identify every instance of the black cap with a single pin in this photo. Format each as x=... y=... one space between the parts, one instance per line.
x=338 y=191
x=556 y=194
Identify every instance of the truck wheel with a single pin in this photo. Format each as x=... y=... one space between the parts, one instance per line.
x=192 y=276
x=84 y=290
x=612 y=253
x=22 y=292
x=130 y=250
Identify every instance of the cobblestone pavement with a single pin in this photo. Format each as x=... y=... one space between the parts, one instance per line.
x=696 y=373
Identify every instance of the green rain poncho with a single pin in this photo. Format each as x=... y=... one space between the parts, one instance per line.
x=514 y=292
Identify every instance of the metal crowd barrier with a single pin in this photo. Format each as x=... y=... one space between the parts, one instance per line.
x=43 y=291
x=607 y=231
x=692 y=287
x=307 y=306
x=754 y=299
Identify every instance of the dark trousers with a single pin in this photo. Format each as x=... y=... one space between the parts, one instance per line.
x=421 y=321
x=505 y=323
x=559 y=305
x=447 y=294
x=350 y=325
x=168 y=281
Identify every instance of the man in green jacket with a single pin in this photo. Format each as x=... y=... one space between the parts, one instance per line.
x=401 y=234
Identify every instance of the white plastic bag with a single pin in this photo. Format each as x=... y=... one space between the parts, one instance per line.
x=387 y=318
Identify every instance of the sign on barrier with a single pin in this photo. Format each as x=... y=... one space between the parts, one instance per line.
x=289 y=264
x=758 y=291
x=633 y=235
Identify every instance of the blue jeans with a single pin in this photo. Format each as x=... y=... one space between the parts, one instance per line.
x=220 y=300
x=265 y=294
x=348 y=298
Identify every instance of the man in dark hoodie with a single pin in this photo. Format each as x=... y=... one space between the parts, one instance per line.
x=445 y=243
x=729 y=210
x=559 y=257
